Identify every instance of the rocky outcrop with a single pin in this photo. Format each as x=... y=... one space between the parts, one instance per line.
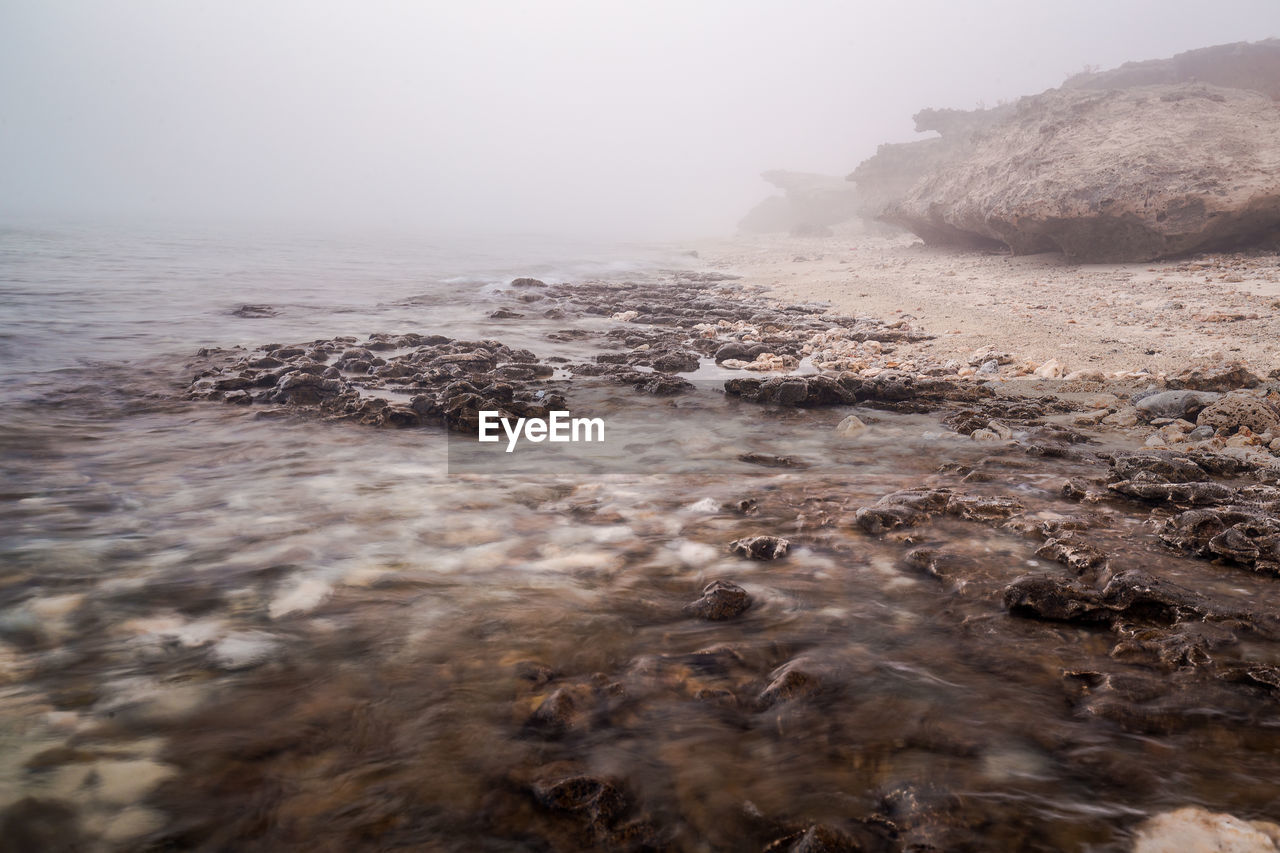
x=886 y=178
x=1121 y=175
x=809 y=205
x=1244 y=65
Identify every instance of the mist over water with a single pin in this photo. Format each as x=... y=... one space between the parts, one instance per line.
x=641 y=120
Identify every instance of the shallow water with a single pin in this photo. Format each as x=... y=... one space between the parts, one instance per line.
x=223 y=631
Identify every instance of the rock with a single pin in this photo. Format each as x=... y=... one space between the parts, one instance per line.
x=676 y=361
x=504 y=314
x=1175 y=404
x=1240 y=534
x=1195 y=494
x=32 y=824
x=1228 y=377
x=527 y=282
x=1125 y=417
x=850 y=427
x=1109 y=176
x=720 y=600
x=255 y=311
x=1051 y=369
x=596 y=800
x=790 y=681
x=1234 y=411
x=740 y=351
x=760 y=547
x=1047 y=597
x=818 y=838
x=1192 y=829
x=1157 y=466
x=1080 y=556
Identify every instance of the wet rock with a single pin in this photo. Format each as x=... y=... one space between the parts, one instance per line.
x=1241 y=534
x=504 y=314
x=790 y=681
x=1194 y=494
x=1159 y=466
x=818 y=838
x=1175 y=404
x=720 y=600
x=850 y=427
x=561 y=711
x=676 y=361
x=1176 y=647
x=1192 y=829
x=36 y=824
x=662 y=385
x=1079 y=556
x=1234 y=411
x=740 y=351
x=255 y=311
x=769 y=461
x=1048 y=597
x=1138 y=595
x=760 y=547
x=527 y=282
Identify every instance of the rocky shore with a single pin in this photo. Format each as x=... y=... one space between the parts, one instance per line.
x=1148 y=502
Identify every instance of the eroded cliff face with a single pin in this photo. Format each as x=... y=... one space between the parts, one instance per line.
x=1125 y=165
x=1128 y=174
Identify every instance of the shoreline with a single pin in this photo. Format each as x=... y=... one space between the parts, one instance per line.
x=1163 y=316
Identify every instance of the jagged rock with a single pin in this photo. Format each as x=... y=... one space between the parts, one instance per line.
x=1047 y=597
x=760 y=547
x=1158 y=466
x=1233 y=411
x=720 y=600
x=1110 y=176
x=1080 y=556
x=1241 y=534
x=1227 y=377
x=1178 y=493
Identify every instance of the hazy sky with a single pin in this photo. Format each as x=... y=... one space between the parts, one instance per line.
x=644 y=118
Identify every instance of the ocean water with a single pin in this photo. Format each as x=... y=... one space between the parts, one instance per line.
x=226 y=631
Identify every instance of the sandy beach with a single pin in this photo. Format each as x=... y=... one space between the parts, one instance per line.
x=1164 y=316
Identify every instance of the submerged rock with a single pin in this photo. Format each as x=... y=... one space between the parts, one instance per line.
x=720 y=600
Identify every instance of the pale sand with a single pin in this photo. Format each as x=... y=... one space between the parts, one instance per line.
x=1108 y=317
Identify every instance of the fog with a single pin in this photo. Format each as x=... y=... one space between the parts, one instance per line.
x=645 y=119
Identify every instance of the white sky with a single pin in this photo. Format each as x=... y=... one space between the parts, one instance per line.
x=645 y=118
